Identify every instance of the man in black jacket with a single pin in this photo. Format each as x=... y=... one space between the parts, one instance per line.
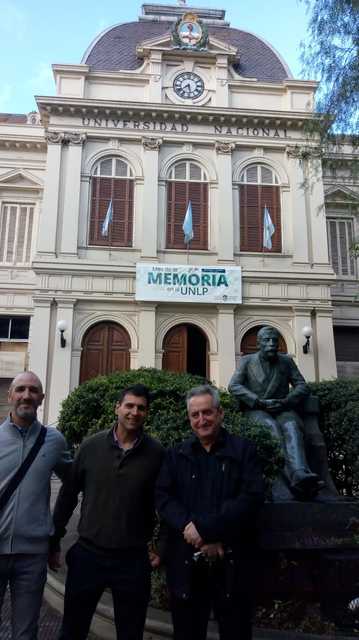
x=116 y=472
x=209 y=491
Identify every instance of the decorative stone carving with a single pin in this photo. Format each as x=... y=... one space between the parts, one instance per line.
x=60 y=137
x=304 y=152
x=151 y=144
x=224 y=147
x=74 y=138
x=54 y=137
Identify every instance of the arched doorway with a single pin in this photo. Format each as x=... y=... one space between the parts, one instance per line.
x=185 y=349
x=249 y=341
x=105 y=349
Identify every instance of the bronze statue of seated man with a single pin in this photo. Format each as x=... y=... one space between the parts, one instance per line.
x=269 y=387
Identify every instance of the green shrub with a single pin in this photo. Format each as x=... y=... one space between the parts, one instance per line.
x=90 y=408
x=339 y=423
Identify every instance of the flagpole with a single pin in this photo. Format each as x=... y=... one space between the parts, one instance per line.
x=265 y=205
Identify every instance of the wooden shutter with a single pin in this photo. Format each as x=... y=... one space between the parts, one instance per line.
x=253 y=199
x=120 y=191
x=178 y=196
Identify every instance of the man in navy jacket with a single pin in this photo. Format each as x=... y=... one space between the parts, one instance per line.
x=209 y=491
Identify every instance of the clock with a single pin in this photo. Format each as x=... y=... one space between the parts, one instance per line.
x=188 y=85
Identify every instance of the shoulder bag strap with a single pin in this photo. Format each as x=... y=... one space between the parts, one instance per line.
x=23 y=469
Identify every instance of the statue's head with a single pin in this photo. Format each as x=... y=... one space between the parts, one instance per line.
x=268 y=342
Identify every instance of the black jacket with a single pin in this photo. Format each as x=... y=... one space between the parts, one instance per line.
x=178 y=501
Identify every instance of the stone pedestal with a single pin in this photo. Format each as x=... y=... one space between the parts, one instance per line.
x=310 y=551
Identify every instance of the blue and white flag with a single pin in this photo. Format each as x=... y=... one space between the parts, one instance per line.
x=108 y=219
x=187 y=224
x=268 y=229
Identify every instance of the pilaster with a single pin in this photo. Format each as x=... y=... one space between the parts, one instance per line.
x=147 y=336
x=47 y=234
x=305 y=361
x=226 y=344
x=301 y=223
x=324 y=336
x=224 y=217
x=151 y=147
x=39 y=345
x=72 y=186
x=61 y=362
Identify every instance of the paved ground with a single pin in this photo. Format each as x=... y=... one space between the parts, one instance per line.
x=49 y=627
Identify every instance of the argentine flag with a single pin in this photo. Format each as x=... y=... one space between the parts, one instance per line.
x=187 y=224
x=107 y=220
x=268 y=229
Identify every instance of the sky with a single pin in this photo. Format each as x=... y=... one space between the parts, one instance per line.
x=35 y=35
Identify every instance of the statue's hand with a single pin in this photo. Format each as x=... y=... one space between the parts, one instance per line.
x=272 y=406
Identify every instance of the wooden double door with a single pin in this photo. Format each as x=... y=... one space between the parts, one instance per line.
x=185 y=350
x=105 y=349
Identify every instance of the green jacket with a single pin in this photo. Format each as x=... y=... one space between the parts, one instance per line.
x=117 y=509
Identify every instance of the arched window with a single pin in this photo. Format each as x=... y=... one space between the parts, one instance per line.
x=187 y=182
x=111 y=217
x=259 y=188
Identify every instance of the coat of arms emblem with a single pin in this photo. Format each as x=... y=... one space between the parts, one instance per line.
x=190 y=33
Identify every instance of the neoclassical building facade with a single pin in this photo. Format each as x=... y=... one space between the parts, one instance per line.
x=174 y=109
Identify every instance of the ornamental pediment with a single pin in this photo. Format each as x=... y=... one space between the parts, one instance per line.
x=165 y=44
x=20 y=179
x=340 y=193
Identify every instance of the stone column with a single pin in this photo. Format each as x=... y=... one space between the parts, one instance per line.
x=305 y=361
x=151 y=147
x=226 y=344
x=61 y=361
x=224 y=207
x=47 y=234
x=324 y=338
x=39 y=346
x=147 y=336
x=72 y=185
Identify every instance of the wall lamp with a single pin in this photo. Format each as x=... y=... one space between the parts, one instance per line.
x=307 y=333
x=62 y=326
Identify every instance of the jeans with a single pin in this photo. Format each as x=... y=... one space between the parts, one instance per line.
x=126 y=573
x=233 y=611
x=26 y=576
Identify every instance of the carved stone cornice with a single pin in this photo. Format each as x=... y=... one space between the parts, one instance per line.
x=303 y=152
x=224 y=147
x=152 y=144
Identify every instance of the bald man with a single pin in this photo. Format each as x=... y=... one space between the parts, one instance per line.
x=25 y=519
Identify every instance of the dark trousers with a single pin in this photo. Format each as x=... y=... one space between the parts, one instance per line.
x=126 y=573
x=233 y=611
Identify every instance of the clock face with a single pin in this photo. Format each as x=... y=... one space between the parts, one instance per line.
x=188 y=85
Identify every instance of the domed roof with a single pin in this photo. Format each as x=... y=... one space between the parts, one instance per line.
x=115 y=50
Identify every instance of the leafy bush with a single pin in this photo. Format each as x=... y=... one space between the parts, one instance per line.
x=90 y=408
x=339 y=423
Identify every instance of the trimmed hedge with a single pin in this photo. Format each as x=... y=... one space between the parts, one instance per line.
x=339 y=423
x=90 y=408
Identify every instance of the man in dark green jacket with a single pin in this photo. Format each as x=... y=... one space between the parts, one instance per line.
x=116 y=472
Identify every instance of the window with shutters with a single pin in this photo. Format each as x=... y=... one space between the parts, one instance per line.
x=259 y=189
x=187 y=182
x=340 y=239
x=111 y=216
x=16 y=234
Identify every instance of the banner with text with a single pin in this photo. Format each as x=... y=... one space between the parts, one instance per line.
x=188 y=283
